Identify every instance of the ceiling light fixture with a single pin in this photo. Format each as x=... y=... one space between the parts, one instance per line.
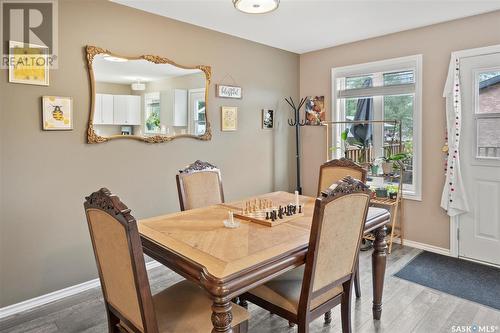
x=138 y=86
x=256 y=6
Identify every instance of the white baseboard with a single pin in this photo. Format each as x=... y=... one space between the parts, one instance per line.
x=57 y=295
x=426 y=247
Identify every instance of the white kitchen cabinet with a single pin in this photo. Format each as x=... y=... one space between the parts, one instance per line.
x=103 y=109
x=120 y=109
x=126 y=110
x=134 y=110
x=180 y=107
x=107 y=109
x=97 y=109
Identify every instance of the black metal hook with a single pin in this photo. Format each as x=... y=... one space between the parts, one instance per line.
x=296 y=110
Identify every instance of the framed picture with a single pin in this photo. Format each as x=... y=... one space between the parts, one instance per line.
x=29 y=64
x=229 y=118
x=267 y=119
x=315 y=110
x=225 y=91
x=57 y=113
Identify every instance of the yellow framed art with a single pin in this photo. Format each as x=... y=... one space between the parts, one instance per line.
x=28 y=64
x=229 y=118
x=57 y=113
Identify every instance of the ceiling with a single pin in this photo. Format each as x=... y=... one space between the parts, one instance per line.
x=305 y=25
x=135 y=70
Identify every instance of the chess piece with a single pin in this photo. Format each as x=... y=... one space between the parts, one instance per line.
x=267 y=215
x=300 y=209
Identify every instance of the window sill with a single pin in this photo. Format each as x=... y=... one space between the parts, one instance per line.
x=412 y=196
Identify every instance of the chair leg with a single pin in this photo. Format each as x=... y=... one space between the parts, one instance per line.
x=113 y=322
x=357 y=286
x=328 y=317
x=345 y=307
x=303 y=327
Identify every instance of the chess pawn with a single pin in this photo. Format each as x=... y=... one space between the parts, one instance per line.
x=300 y=209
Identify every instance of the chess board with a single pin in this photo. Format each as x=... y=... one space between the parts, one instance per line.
x=260 y=211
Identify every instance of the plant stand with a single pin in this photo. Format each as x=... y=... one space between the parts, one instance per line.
x=395 y=207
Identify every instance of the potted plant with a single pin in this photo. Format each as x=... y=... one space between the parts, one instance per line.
x=388 y=164
x=381 y=192
x=392 y=191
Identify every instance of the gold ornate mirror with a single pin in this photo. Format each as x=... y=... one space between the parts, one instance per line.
x=147 y=98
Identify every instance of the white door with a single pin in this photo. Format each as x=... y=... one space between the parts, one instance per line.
x=479 y=230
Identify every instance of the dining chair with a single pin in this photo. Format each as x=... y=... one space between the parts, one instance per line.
x=305 y=293
x=199 y=185
x=331 y=172
x=130 y=306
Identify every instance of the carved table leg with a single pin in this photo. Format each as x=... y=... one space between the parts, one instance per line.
x=378 y=270
x=221 y=316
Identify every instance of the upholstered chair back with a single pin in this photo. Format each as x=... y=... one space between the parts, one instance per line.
x=334 y=170
x=199 y=185
x=120 y=261
x=337 y=229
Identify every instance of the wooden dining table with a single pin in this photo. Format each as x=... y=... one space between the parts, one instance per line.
x=228 y=262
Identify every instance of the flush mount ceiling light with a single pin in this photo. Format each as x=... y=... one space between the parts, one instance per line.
x=138 y=86
x=256 y=6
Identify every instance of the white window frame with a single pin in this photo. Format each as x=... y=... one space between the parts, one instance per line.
x=191 y=121
x=414 y=63
x=477 y=116
x=146 y=99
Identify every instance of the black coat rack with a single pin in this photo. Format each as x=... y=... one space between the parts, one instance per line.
x=297 y=123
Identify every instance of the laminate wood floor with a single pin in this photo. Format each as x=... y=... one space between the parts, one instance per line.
x=407 y=307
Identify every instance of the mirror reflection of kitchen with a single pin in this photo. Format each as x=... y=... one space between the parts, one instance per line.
x=141 y=98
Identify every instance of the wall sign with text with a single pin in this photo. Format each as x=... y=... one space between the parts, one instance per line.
x=225 y=91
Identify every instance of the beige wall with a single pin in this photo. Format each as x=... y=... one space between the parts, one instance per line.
x=113 y=88
x=45 y=175
x=426 y=222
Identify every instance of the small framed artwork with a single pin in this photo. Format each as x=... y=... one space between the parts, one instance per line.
x=229 y=118
x=225 y=91
x=29 y=64
x=315 y=110
x=267 y=119
x=57 y=113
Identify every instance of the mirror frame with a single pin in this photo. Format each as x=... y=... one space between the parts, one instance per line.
x=93 y=137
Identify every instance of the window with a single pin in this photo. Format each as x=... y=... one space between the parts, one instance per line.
x=198 y=110
x=152 y=112
x=388 y=90
x=487 y=114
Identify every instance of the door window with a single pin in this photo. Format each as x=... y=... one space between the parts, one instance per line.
x=487 y=114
